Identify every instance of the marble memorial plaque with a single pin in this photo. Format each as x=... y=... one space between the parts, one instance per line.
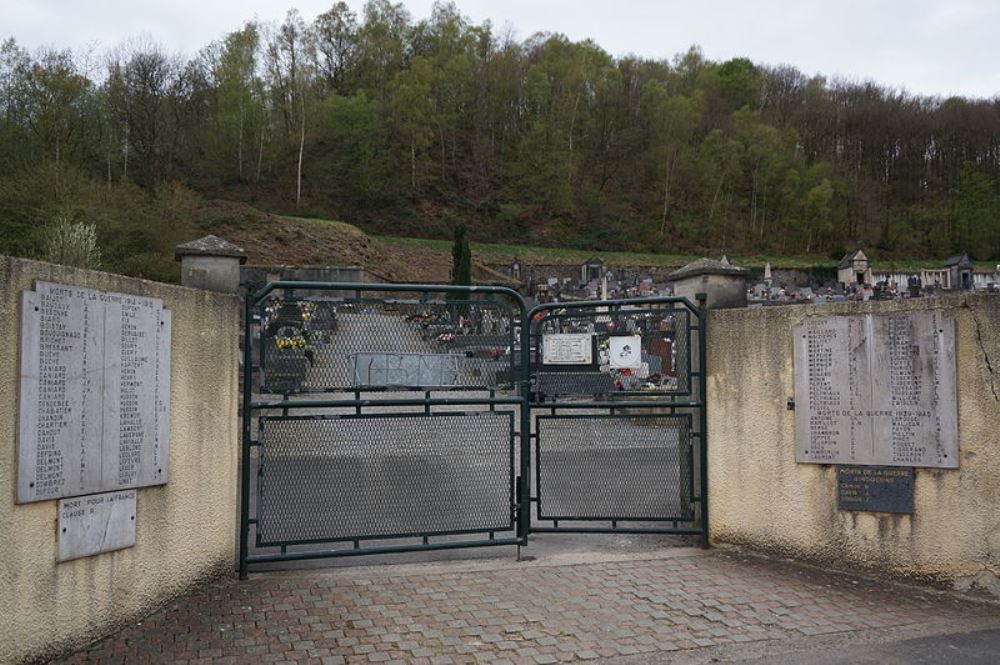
x=876 y=390
x=94 y=400
x=96 y=523
x=567 y=349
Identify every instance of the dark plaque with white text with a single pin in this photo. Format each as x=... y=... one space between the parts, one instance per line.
x=879 y=489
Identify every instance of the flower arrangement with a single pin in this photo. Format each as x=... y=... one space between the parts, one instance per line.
x=308 y=309
x=293 y=342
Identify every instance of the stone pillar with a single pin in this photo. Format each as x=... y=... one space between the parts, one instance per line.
x=211 y=263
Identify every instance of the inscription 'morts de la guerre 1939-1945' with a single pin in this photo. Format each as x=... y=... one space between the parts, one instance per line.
x=876 y=390
x=94 y=401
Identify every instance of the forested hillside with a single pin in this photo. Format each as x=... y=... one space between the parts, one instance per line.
x=411 y=126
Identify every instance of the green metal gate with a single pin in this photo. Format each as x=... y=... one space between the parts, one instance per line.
x=381 y=418
x=618 y=420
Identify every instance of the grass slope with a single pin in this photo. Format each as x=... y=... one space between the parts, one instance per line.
x=494 y=253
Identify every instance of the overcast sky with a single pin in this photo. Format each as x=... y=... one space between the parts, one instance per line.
x=936 y=47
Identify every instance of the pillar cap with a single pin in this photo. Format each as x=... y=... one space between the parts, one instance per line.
x=210 y=246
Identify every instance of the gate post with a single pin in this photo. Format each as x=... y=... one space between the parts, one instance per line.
x=245 y=438
x=702 y=299
x=524 y=512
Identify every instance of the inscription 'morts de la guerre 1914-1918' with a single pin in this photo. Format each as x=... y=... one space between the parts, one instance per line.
x=876 y=390
x=94 y=402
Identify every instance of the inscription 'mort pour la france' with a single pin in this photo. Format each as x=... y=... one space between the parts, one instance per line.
x=94 y=392
x=876 y=390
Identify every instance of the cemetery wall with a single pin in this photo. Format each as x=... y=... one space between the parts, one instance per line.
x=761 y=498
x=183 y=529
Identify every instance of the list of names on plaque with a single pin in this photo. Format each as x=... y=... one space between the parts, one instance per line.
x=876 y=390
x=94 y=392
x=567 y=349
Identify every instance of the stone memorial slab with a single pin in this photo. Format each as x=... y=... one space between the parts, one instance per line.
x=880 y=489
x=567 y=349
x=876 y=390
x=96 y=523
x=94 y=400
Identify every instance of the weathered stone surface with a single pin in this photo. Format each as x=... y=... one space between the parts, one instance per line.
x=94 y=392
x=876 y=390
x=96 y=523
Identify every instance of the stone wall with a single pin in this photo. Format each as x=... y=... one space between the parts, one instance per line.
x=759 y=497
x=184 y=530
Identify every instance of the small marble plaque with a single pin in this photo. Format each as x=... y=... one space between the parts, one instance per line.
x=96 y=523
x=567 y=349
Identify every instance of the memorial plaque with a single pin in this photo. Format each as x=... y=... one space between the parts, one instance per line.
x=567 y=349
x=94 y=401
x=880 y=489
x=625 y=352
x=96 y=523
x=876 y=390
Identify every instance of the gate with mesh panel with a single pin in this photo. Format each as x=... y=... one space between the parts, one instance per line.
x=617 y=416
x=381 y=418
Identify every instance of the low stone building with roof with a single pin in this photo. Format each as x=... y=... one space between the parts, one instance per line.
x=723 y=284
x=960 y=269
x=855 y=268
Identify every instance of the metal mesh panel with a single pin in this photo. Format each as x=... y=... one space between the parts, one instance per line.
x=383 y=476
x=614 y=467
x=323 y=345
x=662 y=362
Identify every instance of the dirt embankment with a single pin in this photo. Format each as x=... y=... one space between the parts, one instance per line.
x=273 y=240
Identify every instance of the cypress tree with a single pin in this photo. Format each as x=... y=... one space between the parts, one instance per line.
x=461 y=258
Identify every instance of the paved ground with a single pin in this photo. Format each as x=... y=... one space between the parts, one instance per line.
x=678 y=605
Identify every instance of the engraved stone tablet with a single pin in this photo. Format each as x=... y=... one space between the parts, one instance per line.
x=567 y=349
x=881 y=489
x=876 y=390
x=96 y=523
x=94 y=401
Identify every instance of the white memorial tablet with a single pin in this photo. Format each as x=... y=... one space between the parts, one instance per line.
x=94 y=401
x=876 y=390
x=96 y=523
x=625 y=352
x=567 y=349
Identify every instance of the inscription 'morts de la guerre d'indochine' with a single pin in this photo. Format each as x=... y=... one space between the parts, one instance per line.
x=876 y=390
x=94 y=392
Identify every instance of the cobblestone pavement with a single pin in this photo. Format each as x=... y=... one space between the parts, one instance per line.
x=654 y=606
